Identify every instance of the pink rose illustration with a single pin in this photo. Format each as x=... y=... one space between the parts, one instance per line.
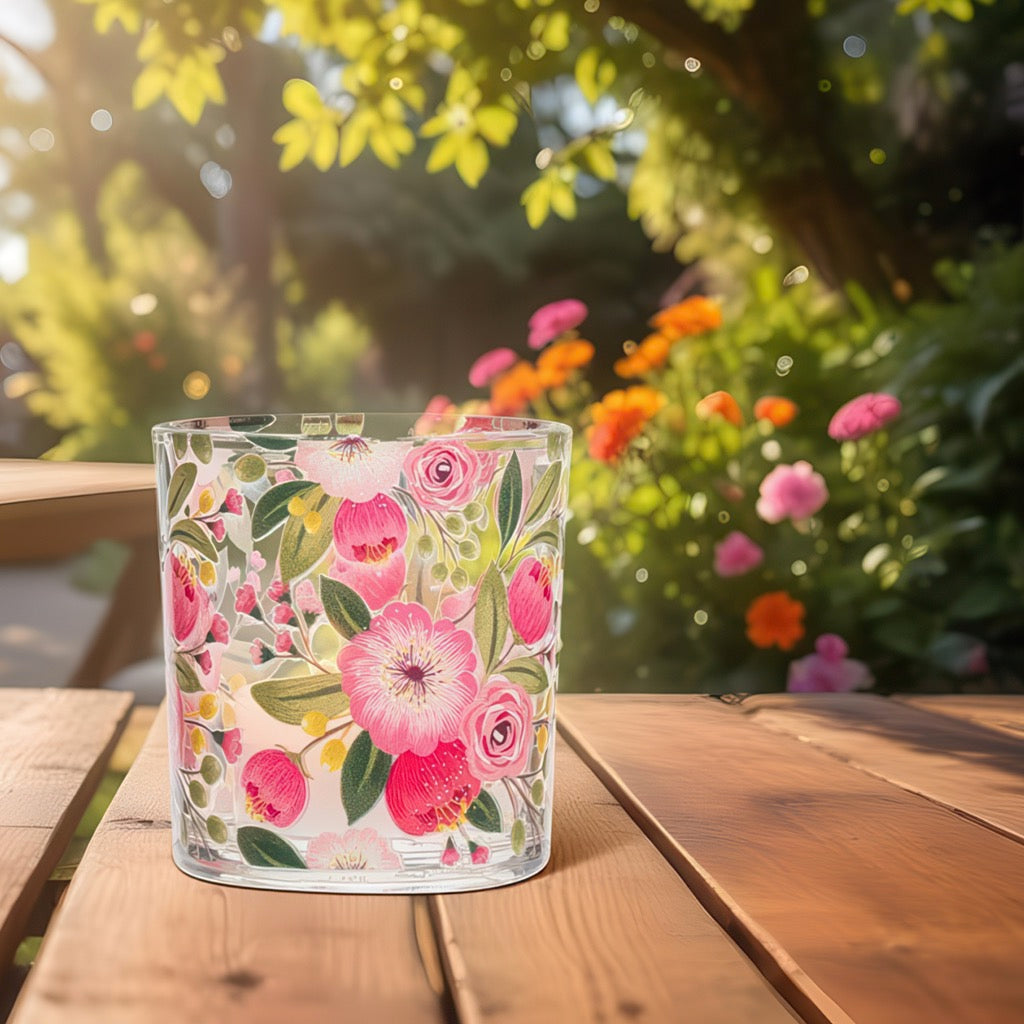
x=489 y=365
x=369 y=537
x=497 y=730
x=190 y=606
x=409 y=679
x=828 y=670
x=443 y=475
x=530 y=600
x=863 y=415
x=424 y=794
x=358 y=849
x=274 y=787
x=737 y=554
x=548 y=322
x=791 y=492
x=351 y=467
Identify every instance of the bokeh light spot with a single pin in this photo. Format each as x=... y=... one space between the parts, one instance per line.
x=41 y=140
x=196 y=385
x=854 y=46
x=143 y=304
x=101 y=120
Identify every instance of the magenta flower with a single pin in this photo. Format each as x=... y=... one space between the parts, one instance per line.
x=217 y=528
x=737 y=554
x=497 y=730
x=369 y=537
x=283 y=643
x=306 y=598
x=863 y=415
x=424 y=794
x=409 y=679
x=260 y=653
x=530 y=600
x=479 y=854
x=443 y=475
x=554 y=319
x=490 y=364
x=191 y=611
x=828 y=670
x=232 y=502
x=257 y=561
x=204 y=661
x=351 y=467
x=358 y=849
x=278 y=589
x=219 y=632
x=282 y=476
x=231 y=744
x=245 y=599
x=791 y=492
x=274 y=787
x=283 y=614
x=450 y=857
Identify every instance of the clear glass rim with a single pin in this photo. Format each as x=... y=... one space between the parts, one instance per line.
x=326 y=426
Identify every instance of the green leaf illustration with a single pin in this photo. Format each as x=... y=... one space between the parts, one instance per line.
x=491 y=622
x=484 y=813
x=188 y=681
x=288 y=700
x=345 y=609
x=216 y=829
x=271 y=442
x=272 y=508
x=180 y=443
x=209 y=768
x=263 y=848
x=528 y=673
x=510 y=499
x=549 y=532
x=203 y=447
x=250 y=468
x=181 y=483
x=197 y=793
x=518 y=836
x=189 y=532
x=544 y=494
x=302 y=548
x=363 y=776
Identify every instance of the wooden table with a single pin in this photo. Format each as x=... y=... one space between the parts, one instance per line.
x=55 y=509
x=784 y=858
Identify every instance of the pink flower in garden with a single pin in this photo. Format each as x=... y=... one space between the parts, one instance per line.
x=554 y=319
x=358 y=849
x=232 y=502
x=283 y=614
x=863 y=415
x=828 y=670
x=424 y=794
x=737 y=554
x=231 y=744
x=443 y=475
x=283 y=643
x=306 y=598
x=278 y=589
x=409 y=679
x=369 y=537
x=479 y=854
x=217 y=528
x=189 y=604
x=219 y=632
x=791 y=492
x=497 y=730
x=450 y=857
x=489 y=365
x=530 y=600
x=351 y=467
x=245 y=599
x=274 y=787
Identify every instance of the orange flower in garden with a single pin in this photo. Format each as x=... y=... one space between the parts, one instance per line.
x=694 y=315
x=776 y=410
x=775 y=620
x=619 y=417
x=720 y=403
x=651 y=353
x=512 y=391
x=557 y=362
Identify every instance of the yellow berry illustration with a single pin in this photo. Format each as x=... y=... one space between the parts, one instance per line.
x=236 y=681
x=206 y=501
x=198 y=741
x=314 y=723
x=207 y=574
x=208 y=705
x=297 y=507
x=313 y=522
x=332 y=757
x=542 y=739
x=228 y=716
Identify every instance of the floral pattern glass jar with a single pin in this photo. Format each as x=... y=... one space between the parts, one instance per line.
x=362 y=621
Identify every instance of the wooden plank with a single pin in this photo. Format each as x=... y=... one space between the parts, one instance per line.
x=1004 y=712
x=41 y=479
x=897 y=909
x=973 y=770
x=55 y=745
x=138 y=941
x=606 y=932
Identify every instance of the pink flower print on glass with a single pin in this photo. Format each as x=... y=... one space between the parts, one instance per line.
x=444 y=475
x=358 y=849
x=369 y=537
x=791 y=492
x=191 y=609
x=232 y=502
x=863 y=415
x=217 y=528
x=245 y=600
x=306 y=598
x=530 y=600
x=497 y=730
x=489 y=365
x=479 y=854
x=219 y=631
x=409 y=679
x=231 y=744
x=548 y=322
x=424 y=794
x=351 y=467
x=450 y=857
x=737 y=554
x=274 y=787
x=828 y=670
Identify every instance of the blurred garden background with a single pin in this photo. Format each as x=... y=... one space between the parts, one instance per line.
x=763 y=210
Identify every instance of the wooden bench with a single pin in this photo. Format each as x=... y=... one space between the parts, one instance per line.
x=782 y=858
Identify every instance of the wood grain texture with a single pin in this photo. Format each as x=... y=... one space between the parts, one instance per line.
x=54 y=746
x=606 y=932
x=135 y=940
x=954 y=762
x=994 y=711
x=898 y=909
